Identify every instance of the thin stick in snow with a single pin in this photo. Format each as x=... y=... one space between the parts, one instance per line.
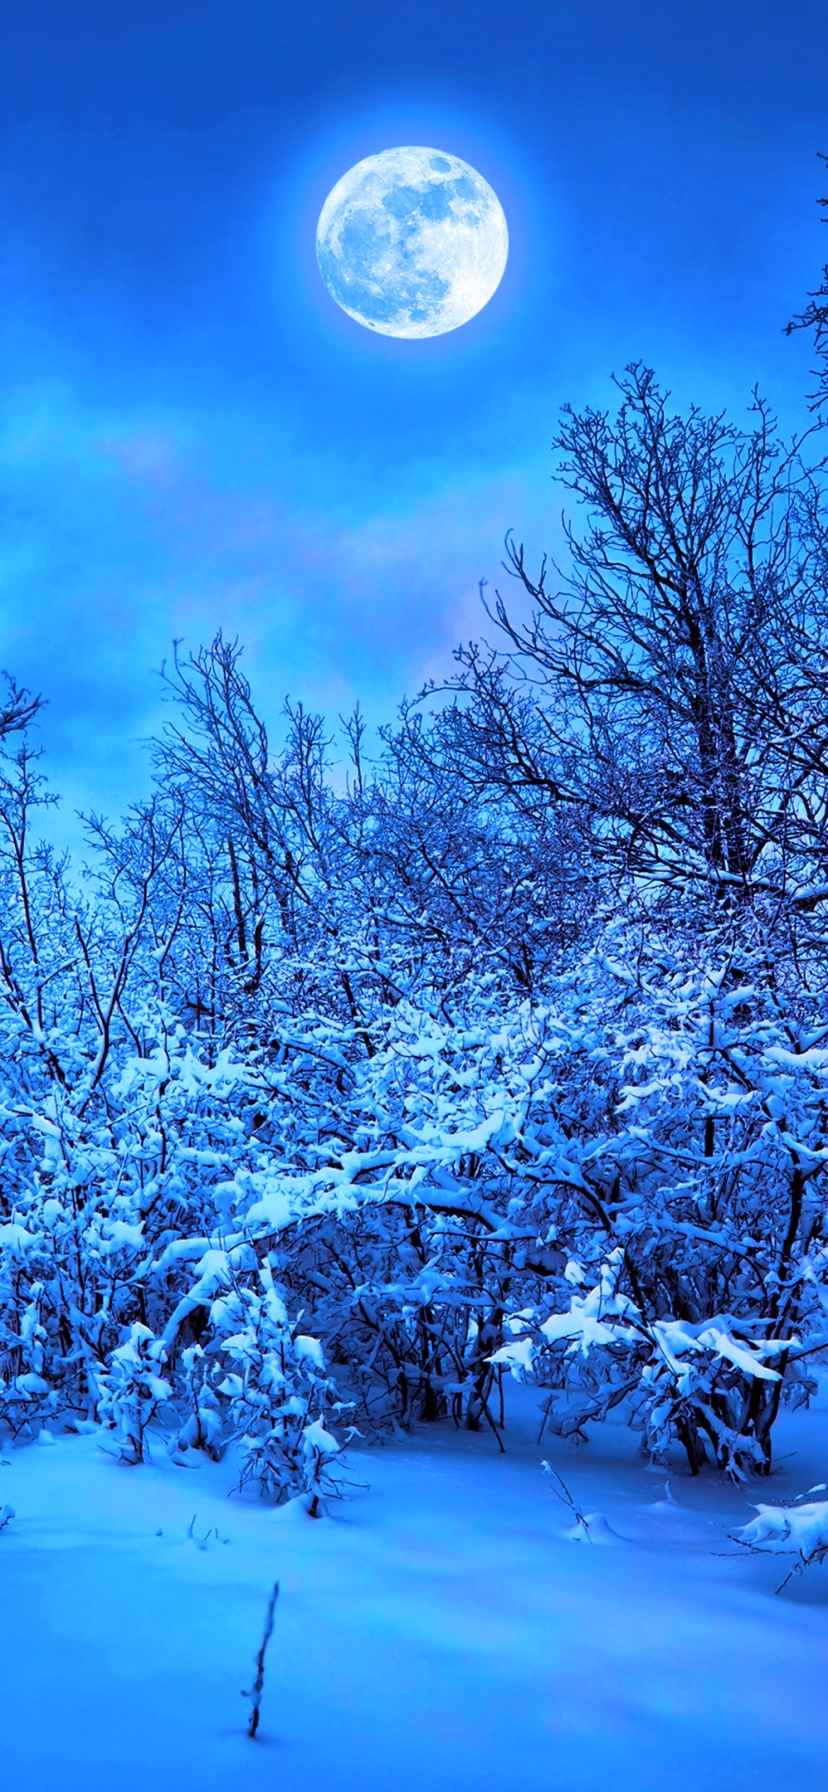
x=255 y=1694
x=562 y=1493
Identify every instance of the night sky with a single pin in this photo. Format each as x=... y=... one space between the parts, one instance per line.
x=193 y=435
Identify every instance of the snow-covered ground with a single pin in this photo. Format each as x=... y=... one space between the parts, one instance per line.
x=439 y=1630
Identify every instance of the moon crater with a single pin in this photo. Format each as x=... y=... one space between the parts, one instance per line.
x=412 y=242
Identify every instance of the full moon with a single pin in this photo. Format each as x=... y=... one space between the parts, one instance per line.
x=412 y=242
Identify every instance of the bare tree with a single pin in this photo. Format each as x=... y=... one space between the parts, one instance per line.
x=657 y=686
x=815 y=318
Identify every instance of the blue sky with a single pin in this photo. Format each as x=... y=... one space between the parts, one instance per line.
x=192 y=435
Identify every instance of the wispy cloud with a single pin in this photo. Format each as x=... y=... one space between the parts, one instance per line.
x=129 y=531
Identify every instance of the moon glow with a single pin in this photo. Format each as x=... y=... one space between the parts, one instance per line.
x=412 y=242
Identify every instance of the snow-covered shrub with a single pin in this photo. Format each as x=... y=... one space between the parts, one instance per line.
x=658 y=1117
x=202 y=1415
x=275 y=1390
x=26 y=1397
x=803 y=1528
x=701 y=1179
x=132 y=1391
x=320 y=1450
x=675 y=1379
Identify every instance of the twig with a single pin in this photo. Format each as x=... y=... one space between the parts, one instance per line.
x=562 y=1493
x=796 y=1569
x=802 y=1562
x=255 y=1694
x=817 y=1556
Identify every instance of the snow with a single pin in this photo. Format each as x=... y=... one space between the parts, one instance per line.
x=437 y=1630
x=803 y=1528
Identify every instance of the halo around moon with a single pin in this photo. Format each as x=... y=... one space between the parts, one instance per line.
x=412 y=242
